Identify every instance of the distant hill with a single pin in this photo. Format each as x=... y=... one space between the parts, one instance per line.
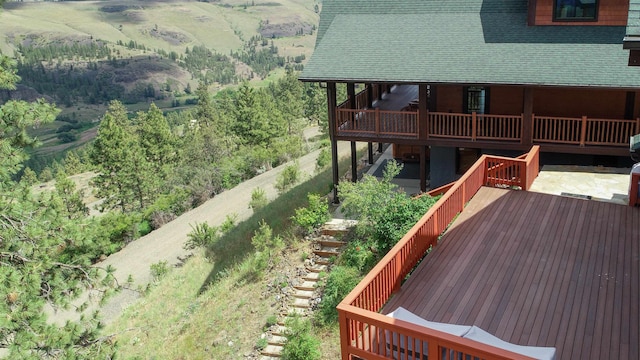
x=81 y=54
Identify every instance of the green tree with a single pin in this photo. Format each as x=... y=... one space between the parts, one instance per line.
x=253 y=125
x=34 y=238
x=72 y=200
x=156 y=140
x=29 y=177
x=288 y=94
x=125 y=179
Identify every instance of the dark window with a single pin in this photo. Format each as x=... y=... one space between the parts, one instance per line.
x=575 y=10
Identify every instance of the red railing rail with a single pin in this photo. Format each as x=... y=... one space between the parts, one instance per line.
x=376 y=121
x=362 y=327
x=475 y=126
x=584 y=130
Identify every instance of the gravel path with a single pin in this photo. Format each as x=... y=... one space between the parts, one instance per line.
x=166 y=243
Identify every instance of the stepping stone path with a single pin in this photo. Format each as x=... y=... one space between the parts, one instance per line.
x=305 y=296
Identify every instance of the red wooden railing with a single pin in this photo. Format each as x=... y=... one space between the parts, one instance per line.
x=584 y=131
x=364 y=332
x=378 y=122
x=634 y=190
x=475 y=126
x=485 y=127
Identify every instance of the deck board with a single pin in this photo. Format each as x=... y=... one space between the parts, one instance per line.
x=536 y=269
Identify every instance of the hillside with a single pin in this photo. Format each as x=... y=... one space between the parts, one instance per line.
x=82 y=54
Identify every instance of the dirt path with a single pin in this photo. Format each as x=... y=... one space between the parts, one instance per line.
x=166 y=243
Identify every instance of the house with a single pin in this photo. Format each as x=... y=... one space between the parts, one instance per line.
x=491 y=75
x=537 y=76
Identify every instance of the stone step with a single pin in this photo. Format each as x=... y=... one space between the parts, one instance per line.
x=312 y=276
x=302 y=303
x=317 y=268
x=279 y=330
x=337 y=226
x=307 y=285
x=331 y=242
x=303 y=294
x=327 y=252
x=264 y=357
x=272 y=350
x=276 y=340
x=323 y=261
x=293 y=311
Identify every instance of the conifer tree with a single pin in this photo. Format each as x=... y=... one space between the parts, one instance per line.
x=125 y=179
x=33 y=238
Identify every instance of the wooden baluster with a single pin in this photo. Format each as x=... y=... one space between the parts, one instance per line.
x=377 y=120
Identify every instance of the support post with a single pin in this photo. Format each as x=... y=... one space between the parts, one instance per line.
x=354 y=162
x=583 y=130
x=474 y=126
x=423 y=115
x=331 y=104
x=527 y=117
x=370 y=151
x=423 y=168
x=380 y=144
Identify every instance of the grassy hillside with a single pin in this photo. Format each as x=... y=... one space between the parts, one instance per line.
x=157 y=28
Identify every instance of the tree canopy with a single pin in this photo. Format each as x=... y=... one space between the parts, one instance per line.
x=38 y=237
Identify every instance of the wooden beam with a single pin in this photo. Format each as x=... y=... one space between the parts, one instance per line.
x=527 y=116
x=331 y=104
x=423 y=115
x=423 y=168
x=354 y=162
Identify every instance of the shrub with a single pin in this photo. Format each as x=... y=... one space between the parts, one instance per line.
x=258 y=199
x=324 y=159
x=300 y=345
x=159 y=270
x=314 y=215
x=201 y=235
x=359 y=255
x=287 y=178
x=340 y=282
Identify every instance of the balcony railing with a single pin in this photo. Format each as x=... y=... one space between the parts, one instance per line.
x=484 y=127
x=366 y=333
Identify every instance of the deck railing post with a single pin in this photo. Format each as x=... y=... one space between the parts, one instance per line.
x=474 y=125
x=344 y=335
x=377 y=116
x=637 y=126
x=583 y=131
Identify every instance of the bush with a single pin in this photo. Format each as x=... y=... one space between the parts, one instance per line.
x=314 y=215
x=287 y=178
x=201 y=235
x=258 y=199
x=300 y=345
x=358 y=254
x=324 y=159
x=341 y=280
x=159 y=270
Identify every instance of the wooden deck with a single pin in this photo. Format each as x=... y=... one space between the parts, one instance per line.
x=537 y=269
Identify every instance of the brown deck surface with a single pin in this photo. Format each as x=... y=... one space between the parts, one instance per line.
x=537 y=269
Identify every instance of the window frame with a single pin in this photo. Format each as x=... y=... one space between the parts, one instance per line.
x=555 y=18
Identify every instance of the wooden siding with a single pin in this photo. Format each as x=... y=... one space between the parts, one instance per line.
x=536 y=269
x=608 y=104
x=610 y=12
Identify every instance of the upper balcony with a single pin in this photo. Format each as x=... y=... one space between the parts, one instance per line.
x=395 y=118
x=532 y=269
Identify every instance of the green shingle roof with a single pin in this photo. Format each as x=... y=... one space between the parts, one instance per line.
x=471 y=42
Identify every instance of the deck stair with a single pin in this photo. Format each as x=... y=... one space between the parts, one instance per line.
x=326 y=248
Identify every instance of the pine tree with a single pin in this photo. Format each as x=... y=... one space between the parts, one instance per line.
x=33 y=237
x=125 y=179
x=156 y=139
